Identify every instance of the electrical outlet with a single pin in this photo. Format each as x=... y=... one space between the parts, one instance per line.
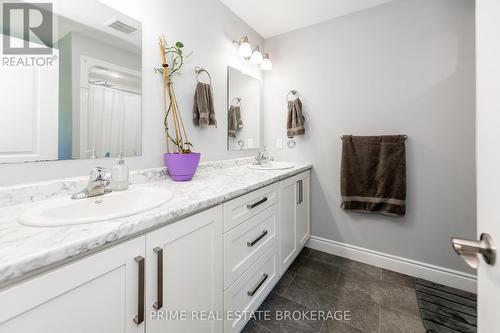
x=279 y=143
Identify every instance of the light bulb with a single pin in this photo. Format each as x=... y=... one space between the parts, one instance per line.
x=266 y=65
x=245 y=50
x=256 y=57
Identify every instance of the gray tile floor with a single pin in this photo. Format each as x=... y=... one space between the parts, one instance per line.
x=379 y=301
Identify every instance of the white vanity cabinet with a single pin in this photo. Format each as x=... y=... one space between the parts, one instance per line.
x=97 y=294
x=184 y=275
x=115 y=290
x=203 y=274
x=294 y=226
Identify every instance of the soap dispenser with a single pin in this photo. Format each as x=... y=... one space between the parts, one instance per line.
x=119 y=175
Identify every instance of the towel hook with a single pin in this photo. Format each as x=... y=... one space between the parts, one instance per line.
x=198 y=71
x=291 y=92
x=237 y=99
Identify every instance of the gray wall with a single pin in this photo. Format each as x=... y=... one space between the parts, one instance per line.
x=405 y=67
x=207 y=29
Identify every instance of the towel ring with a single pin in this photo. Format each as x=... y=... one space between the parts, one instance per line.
x=198 y=71
x=405 y=136
x=238 y=100
x=292 y=92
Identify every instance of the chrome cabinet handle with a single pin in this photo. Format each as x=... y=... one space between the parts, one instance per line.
x=256 y=240
x=159 y=278
x=255 y=204
x=257 y=287
x=301 y=184
x=140 y=294
x=299 y=190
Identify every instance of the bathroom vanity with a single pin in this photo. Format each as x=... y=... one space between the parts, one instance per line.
x=212 y=252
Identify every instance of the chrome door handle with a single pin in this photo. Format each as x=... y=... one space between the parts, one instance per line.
x=140 y=294
x=469 y=250
x=159 y=278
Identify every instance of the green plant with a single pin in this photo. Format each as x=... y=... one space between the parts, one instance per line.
x=172 y=61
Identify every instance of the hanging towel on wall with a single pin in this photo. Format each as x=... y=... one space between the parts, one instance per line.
x=234 y=122
x=295 y=119
x=373 y=174
x=203 y=108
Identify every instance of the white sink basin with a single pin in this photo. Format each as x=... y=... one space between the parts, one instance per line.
x=66 y=211
x=272 y=166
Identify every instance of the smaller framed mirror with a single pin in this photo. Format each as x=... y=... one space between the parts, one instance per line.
x=243 y=110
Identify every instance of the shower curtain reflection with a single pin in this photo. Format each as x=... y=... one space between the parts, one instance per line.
x=114 y=122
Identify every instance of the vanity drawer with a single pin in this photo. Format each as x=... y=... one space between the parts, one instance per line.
x=246 y=243
x=248 y=205
x=250 y=290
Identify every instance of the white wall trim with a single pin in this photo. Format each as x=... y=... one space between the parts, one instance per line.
x=445 y=276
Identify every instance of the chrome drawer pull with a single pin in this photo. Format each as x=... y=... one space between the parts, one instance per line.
x=300 y=194
x=301 y=191
x=256 y=240
x=255 y=204
x=257 y=287
x=159 y=278
x=140 y=295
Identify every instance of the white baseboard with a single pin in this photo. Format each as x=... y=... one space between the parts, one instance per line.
x=441 y=275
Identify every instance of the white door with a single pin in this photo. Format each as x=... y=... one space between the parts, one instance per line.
x=294 y=219
x=97 y=294
x=287 y=222
x=303 y=214
x=184 y=275
x=488 y=155
x=29 y=112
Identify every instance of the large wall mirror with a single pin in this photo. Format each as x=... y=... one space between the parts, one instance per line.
x=79 y=99
x=244 y=110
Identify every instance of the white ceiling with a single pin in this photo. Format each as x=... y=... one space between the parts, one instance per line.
x=273 y=17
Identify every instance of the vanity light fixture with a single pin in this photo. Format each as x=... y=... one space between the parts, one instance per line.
x=256 y=57
x=244 y=48
x=253 y=55
x=266 y=65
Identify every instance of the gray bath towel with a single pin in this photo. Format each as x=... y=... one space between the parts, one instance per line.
x=234 y=123
x=203 y=108
x=295 y=120
x=373 y=174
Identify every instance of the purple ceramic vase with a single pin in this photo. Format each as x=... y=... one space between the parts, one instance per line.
x=182 y=167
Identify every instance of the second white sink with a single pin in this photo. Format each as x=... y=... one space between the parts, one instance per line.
x=272 y=166
x=65 y=211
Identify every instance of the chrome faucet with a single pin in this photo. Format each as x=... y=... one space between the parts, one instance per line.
x=261 y=158
x=99 y=184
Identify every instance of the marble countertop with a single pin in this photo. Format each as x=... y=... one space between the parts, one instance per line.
x=25 y=251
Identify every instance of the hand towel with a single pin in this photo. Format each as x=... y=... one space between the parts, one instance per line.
x=295 y=119
x=203 y=108
x=373 y=174
x=234 y=123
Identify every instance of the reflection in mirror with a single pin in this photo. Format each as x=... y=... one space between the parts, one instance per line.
x=84 y=99
x=244 y=111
